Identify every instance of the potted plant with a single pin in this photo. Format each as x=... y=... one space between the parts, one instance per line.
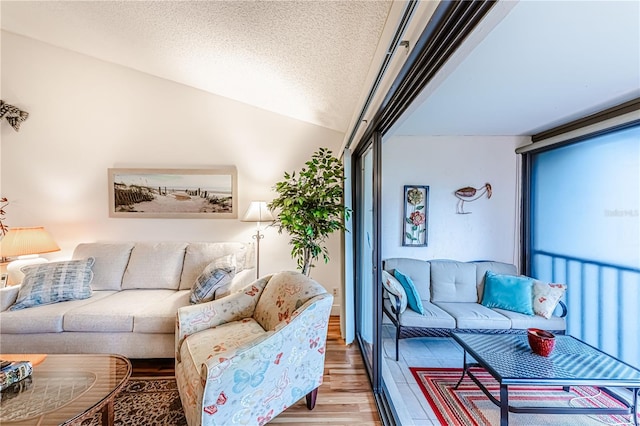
x=311 y=207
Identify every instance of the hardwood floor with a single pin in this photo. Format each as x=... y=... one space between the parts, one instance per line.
x=344 y=398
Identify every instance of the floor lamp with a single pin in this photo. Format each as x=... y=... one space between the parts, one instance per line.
x=258 y=212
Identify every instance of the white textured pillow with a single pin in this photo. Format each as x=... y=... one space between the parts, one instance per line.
x=546 y=297
x=395 y=289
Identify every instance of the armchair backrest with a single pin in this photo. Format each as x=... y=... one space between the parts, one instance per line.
x=284 y=293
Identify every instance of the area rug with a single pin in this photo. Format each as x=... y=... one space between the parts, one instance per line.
x=146 y=401
x=468 y=406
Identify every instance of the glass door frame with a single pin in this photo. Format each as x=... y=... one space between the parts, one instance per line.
x=375 y=143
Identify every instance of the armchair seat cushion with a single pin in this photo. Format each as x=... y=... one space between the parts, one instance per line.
x=220 y=341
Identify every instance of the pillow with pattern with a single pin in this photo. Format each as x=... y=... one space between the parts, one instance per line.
x=215 y=278
x=546 y=297
x=54 y=282
x=395 y=289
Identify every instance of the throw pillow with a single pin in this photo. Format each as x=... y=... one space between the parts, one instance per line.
x=54 y=282
x=546 y=297
x=510 y=292
x=216 y=276
x=395 y=289
x=413 y=298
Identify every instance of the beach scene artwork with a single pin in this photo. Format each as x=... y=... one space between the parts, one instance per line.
x=173 y=193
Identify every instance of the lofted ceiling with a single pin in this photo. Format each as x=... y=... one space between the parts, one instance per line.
x=533 y=65
x=304 y=59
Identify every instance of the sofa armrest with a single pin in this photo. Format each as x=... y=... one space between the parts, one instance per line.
x=564 y=309
x=8 y=296
x=194 y=318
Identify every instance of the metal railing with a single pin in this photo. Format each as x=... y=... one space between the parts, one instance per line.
x=603 y=301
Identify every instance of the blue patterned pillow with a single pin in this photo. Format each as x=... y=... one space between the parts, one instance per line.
x=216 y=277
x=54 y=282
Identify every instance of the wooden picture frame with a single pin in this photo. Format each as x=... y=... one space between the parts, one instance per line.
x=174 y=193
x=416 y=216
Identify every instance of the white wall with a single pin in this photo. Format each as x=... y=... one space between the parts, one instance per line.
x=445 y=164
x=87 y=115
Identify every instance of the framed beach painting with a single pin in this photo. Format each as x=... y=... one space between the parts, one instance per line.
x=174 y=193
x=416 y=216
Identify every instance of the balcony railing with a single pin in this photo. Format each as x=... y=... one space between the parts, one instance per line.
x=603 y=301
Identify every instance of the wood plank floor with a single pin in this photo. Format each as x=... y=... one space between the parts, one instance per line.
x=344 y=398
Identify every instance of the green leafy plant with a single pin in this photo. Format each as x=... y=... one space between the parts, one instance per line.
x=311 y=207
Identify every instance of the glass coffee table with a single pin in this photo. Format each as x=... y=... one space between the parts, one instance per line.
x=65 y=390
x=509 y=359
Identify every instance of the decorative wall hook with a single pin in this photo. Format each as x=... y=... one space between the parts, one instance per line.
x=469 y=194
x=13 y=115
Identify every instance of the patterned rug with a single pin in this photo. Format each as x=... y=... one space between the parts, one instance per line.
x=468 y=406
x=146 y=401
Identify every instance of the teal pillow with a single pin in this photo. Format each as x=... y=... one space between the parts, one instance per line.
x=509 y=292
x=413 y=298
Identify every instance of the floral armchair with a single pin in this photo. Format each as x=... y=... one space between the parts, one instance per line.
x=247 y=357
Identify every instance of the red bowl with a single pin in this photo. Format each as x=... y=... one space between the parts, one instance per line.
x=541 y=341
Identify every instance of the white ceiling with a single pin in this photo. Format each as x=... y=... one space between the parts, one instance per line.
x=544 y=64
x=304 y=59
x=531 y=65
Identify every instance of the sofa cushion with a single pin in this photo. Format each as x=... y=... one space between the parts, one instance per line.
x=114 y=313
x=498 y=267
x=433 y=317
x=160 y=317
x=510 y=292
x=217 y=275
x=43 y=318
x=453 y=281
x=546 y=297
x=395 y=289
x=54 y=282
x=418 y=270
x=111 y=262
x=522 y=322
x=154 y=266
x=473 y=315
x=413 y=297
x=199 y=255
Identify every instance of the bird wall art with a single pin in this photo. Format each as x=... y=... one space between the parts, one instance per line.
x=13 y=115
x=468 y=194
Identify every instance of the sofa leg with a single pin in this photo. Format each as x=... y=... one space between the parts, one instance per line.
x=397 y=340
x=311 y=399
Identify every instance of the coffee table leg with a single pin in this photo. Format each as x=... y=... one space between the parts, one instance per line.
x=107 y=414
x=635 y=406
x=504 y=405
x=464 y=369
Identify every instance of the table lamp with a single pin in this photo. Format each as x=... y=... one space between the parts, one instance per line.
x=257 y=212
x=25 y=244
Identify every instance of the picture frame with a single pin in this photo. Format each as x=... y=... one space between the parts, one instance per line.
x=415 y=229
x=209 y=193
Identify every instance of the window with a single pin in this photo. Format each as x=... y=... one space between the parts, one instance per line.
x=584 y=228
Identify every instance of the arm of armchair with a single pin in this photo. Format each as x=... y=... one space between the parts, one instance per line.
x=194 y=318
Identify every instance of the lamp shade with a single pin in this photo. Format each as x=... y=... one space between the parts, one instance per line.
x=257 y=212
x=24 y=241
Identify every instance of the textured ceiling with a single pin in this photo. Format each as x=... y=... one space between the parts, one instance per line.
x=303 y=59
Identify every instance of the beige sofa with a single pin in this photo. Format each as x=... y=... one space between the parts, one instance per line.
x=137 y=290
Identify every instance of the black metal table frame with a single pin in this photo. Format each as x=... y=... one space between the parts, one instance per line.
x=505 y=408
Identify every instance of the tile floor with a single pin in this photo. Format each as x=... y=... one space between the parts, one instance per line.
x=410 y=404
